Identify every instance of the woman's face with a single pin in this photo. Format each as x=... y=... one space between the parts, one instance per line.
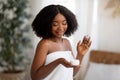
x=59 y=25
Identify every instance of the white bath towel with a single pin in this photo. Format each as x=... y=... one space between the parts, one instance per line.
x=60 y=72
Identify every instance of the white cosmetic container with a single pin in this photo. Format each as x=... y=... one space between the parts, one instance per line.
x=75 y=62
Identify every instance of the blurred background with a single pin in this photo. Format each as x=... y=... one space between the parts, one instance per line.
x=97 y=18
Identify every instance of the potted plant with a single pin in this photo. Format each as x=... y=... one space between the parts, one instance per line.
x=14 y=38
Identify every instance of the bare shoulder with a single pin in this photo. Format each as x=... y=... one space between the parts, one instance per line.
x=43 y=44
x=66 y=40
x=68 y=44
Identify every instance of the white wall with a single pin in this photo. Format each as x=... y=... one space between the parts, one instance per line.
x=109 y=29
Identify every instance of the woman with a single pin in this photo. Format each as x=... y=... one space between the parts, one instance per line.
x=53 y=56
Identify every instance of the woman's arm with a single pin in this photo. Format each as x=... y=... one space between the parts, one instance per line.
x=38 y=69
x=82 y=48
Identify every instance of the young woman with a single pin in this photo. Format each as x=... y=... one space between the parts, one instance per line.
x=53 y=56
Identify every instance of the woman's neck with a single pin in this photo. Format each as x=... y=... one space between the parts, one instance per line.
x=57 y=40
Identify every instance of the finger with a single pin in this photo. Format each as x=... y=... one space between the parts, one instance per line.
x=69 y=64
x=86 y=39
x=79 y=43
x=89 y=44
x=86 y=45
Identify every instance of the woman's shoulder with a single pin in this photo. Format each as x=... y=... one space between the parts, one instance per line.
x=66 y=40
x=43 y=42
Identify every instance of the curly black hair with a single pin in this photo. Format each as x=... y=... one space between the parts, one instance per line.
x=42 y=24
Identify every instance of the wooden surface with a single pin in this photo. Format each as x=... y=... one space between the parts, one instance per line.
x=105 y=57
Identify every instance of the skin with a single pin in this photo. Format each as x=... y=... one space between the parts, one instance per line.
x=59 y=27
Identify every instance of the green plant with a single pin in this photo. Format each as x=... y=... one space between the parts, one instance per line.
x=14 y=34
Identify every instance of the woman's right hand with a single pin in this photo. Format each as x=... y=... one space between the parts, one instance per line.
x=64 y=62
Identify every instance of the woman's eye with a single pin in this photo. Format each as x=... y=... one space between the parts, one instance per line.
x=55 y=24
x=64 y=23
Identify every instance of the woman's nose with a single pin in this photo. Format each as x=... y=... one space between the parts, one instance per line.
x=60 y=29
x=60 y=26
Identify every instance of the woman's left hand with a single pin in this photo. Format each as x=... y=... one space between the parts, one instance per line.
x=82 y=47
